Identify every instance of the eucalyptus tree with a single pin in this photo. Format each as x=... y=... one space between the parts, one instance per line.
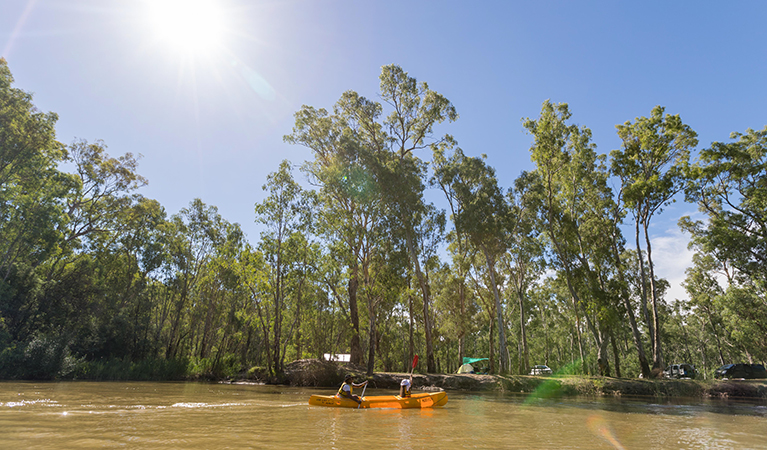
x=70 y=231
x=104 y=219
x=618 y=253
x=94 y=208
x=729 y=183
x=253 y=272
x=408 y=128
x=706 y=295
x=386 y=280
x=303 y=286
x=454 y=304
x=482 y=214
x=445 y=172
x=218 y=295
x=487 y=311
x=744 y=309
x=649 y=165
x=103 y=185
x=127 y=259
x=543 y=319
x=190 y=239
x=32 y=189
x=566 y=326
x=349 y=199
x=576 y=212
x=284 y=214
x=524 y=259
x=367 y=167
x=27 y=135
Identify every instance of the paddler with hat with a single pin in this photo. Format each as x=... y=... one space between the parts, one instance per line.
x=345 y=391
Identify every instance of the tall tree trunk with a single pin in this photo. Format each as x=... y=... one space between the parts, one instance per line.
x=206 y=329
x=544 y=322
x=602 y=360
x=265 y=321
x=616 y=355
x=276 y=334
x=462 y=305
x=686 y=343
x=373 y=341
x=716 y=337
x=658 y=354
x=246 y=348
x=525 y=352
x=175 y=330
x=278 y=301
x=492 y=344
x=638 y=344
x=580 y=340
x=643 y=285
x=499 y=313
x=299 y=350
x=356 y=347
x=299 y=301
x=703 y=349
x=411 y=343
x=424 y=284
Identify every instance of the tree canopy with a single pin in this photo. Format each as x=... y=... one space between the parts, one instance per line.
x=100 y=282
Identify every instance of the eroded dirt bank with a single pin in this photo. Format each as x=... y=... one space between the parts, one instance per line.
x=317 y=373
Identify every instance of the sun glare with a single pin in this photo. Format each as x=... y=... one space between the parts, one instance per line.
x=190 y=26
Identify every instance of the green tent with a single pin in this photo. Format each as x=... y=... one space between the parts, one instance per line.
x=467 y=367
x=473 y=360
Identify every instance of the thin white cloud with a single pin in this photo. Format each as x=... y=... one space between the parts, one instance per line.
x=671 y=258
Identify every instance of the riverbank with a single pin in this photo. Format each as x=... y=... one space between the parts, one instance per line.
x=316 y=373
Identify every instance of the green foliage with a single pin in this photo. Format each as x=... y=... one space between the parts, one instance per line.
x=655 y=149
x=729 y=183
x=32 y=189
x=44 y=357
x=150 y=369
x=99 y=283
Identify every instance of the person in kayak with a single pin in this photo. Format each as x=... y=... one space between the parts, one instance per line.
x=345 y=391
x=405 y=386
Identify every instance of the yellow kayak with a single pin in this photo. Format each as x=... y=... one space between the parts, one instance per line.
x=425 y=400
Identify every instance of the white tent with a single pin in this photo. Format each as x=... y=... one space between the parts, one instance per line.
x=342 y=357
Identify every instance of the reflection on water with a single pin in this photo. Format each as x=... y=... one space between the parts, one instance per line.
x=197 y=415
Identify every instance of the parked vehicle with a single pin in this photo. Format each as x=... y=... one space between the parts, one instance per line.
x=742 y=371
x=680 y=371
x=541 y=370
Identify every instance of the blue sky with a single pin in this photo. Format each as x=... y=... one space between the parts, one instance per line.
x=209 y=124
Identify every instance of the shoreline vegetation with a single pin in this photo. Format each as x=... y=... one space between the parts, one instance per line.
x=98 y=282
x=323 y=374
x=316 y=373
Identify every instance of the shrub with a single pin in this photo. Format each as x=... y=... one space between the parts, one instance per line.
x=153 y=369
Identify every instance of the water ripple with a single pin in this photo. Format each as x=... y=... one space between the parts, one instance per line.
x=43 y=402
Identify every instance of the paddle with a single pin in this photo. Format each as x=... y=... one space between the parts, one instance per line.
x=415 y=361
x=363 y=395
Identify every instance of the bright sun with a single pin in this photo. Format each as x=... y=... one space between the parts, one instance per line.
x=191 y=26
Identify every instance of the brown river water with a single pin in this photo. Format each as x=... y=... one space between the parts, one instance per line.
x=137 y=415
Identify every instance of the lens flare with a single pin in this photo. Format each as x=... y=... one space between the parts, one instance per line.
x=598 y=425
x=190 y=26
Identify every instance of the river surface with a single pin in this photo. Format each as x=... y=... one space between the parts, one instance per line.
x=136 y=415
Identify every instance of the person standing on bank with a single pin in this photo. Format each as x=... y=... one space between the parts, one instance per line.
x=345 y=391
